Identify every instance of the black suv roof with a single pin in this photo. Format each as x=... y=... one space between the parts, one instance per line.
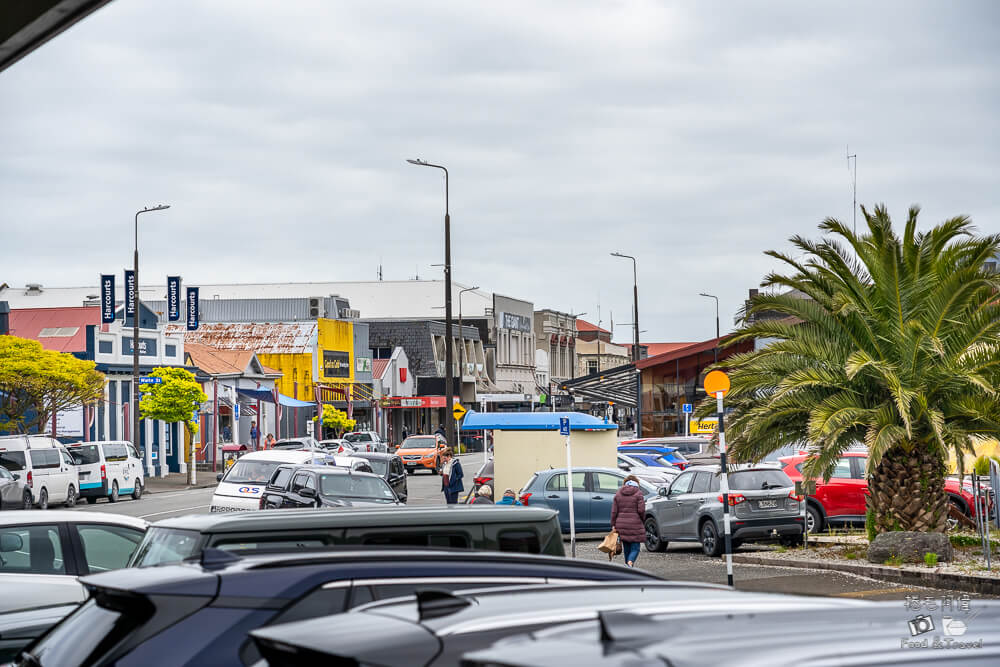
x=286 y=519
x=374 y=456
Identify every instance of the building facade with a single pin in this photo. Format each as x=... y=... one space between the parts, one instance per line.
x=556 y=337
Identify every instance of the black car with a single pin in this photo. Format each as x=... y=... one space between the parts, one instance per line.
x=437 y=627
x=324 y=486
x=390 y=468
x=20 y=628
x=199 y=612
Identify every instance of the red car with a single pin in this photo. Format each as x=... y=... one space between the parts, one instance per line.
x=842 y=499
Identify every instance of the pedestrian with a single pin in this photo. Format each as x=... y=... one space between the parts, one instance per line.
x=627 y=513
x=484 y=496
x=406 y=434
x=440 y=431
x=509 y=498
x=451 y=476
x=269 y=441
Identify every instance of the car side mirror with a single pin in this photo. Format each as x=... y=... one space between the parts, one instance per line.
x=17 y=475
x=218 y=478
x=307 y=492
x=624 y=466
x=663 y=491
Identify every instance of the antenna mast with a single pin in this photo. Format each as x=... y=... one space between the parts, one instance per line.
x=854 y=184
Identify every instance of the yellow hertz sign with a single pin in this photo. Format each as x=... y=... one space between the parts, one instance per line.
x=707 y=426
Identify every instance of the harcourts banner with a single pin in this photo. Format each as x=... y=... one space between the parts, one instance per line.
x=129 y=292
x=107 y=298
x=173 y=298
x=192 y=308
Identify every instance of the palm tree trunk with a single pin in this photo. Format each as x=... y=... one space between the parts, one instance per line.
x=906 y=491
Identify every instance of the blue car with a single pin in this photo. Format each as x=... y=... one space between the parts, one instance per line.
x=655 y=455
x=594 y=490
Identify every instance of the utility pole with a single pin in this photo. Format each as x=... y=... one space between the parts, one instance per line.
x=854 y=184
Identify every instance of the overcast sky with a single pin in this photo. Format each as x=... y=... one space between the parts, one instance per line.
x=693 y=135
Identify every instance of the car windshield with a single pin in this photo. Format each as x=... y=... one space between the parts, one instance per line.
x=250 y=472
x=756 y=480
x=418 y=443
x=358 y=437
x=166 y=545
x=379 y=466
x=82 y=634
x=355 y=486
x=84 y=454
x=664 y=461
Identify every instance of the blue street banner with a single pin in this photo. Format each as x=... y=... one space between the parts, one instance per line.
x=192 y=308
x=173 y=298
x=129 y=292
x=107 y=298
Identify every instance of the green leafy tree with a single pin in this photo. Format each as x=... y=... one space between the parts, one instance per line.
x=36 y=383
x=337 y=420
x=174 y=400
x=887 y=340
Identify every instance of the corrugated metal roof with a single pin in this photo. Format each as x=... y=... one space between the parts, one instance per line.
x=31 y=322
x=294 y=309
x=379 y=366
x=278 y=338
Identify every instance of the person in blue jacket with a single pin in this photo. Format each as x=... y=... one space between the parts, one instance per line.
x=509 y=498
x=451 y=477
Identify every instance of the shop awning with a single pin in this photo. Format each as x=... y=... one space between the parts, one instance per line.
x=533 y=421
x=264 y=396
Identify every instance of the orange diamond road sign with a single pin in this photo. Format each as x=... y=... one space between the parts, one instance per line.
x=715 y=382
x=458 y=411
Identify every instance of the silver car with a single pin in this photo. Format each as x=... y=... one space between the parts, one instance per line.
x=763 y=506
x=656 y=475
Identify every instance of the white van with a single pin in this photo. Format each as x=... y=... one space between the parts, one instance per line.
x=42 y=468
x=108 y=469
x=241 y=486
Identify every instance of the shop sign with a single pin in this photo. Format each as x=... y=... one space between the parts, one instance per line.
x=192 y=308
x=704 y=426
x=363 y=365
x=147 y=347
x=129 y=292
x=173 y=298
x=336 y=364
x=107 y=298
x=413 y=402
x=503 y=398
x=516 y=322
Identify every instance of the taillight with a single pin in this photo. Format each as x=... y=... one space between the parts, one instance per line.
x=794 y=496
x=483 y=480
x=524 y=498
x=29 y=479
x=734 y=498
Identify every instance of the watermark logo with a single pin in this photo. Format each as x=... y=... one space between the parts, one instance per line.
x=920 y=625
x=953 y=627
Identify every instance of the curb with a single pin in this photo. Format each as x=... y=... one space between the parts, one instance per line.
x=961 y=582
x=165 y=489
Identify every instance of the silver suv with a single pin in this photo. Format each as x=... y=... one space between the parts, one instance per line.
x=763 y=506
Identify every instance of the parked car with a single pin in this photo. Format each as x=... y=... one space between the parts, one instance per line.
x=390 y=468
x=655 y=455
x=656 y=475
x=422 y=452
x=439 y=627
x=199 y=613
x=108 y=469
x=785 y=637
x=337 y=446
x=10 y=490
x=351 y=462
x=842 y=499
x=368 y=441
x=241 y=486
x=20 y=628
x=483 y=477
x=762 y=500
x=42 y=554
x=294 y=486
x=308 y=443
x=42 y=468
x=529 y=530
x=685 y=445
x=594 y=490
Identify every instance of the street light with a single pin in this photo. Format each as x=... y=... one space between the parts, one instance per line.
x=635 y=342
x=135 y=339
x=448 y=386
x=461 y=339
x=712 y=296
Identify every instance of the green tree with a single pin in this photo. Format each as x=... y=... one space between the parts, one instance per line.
x=893 y=341
x=337 y=420
x=174 y=400
x=36 y=383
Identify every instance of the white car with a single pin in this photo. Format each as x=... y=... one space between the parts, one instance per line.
x=337 y=446
x=108 y=469
x=241 y=486
x=368 y=441
x=656 y=475
x=43 y=553
x=42 y=468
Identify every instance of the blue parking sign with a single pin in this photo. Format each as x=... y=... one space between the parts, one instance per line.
x=688 y=408
x=564 y=426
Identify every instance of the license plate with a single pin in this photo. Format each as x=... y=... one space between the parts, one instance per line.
x=767 y=504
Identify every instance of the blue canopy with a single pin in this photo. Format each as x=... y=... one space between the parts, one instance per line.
x=533 y=421
x=267 y=397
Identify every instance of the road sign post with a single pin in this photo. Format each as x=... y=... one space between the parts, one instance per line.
x=564 y=430
x=717 y=384
x=688 y=409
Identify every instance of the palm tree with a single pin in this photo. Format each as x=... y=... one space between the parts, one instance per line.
x=887 y=340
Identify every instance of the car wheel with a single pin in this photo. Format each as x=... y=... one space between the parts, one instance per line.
x=814 y=520
x=409 y=471
x=91 y=500
x=113 y=498
x=43 y=499
x=711 y=545
x=26 y=500
x=653 y=541
x=137 y=491
x=71 y=496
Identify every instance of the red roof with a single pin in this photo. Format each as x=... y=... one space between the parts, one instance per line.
x=584 y=325
x=653 y=349
x=680 y=352
x=57 y=329
x=379 y=366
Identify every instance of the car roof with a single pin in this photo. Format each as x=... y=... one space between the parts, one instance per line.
x=583 y=469
x=31 y=517
x=99 y=442
x=283 y=519
x=281 y=455
x=334 y=470
x=369 y=456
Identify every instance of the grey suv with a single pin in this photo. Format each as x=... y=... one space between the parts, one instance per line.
x=763 y=505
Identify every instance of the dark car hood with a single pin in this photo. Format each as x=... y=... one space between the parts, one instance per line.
x=345 y=502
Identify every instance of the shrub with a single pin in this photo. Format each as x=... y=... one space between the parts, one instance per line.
x=894 y=560
x=930 y=559
x=870 y=525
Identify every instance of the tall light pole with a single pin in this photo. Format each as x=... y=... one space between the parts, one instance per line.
x=448 y=384
x=635 y=343
x=712 y=296
x=135 y=339
x=461 y=341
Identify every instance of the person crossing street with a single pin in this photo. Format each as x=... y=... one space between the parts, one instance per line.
x=451 y=477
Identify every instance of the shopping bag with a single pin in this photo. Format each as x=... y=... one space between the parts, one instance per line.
x=611 y=545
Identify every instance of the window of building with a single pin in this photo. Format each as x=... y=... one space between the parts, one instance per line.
x=105 y=347
x=591 y=366
x=170 y=350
